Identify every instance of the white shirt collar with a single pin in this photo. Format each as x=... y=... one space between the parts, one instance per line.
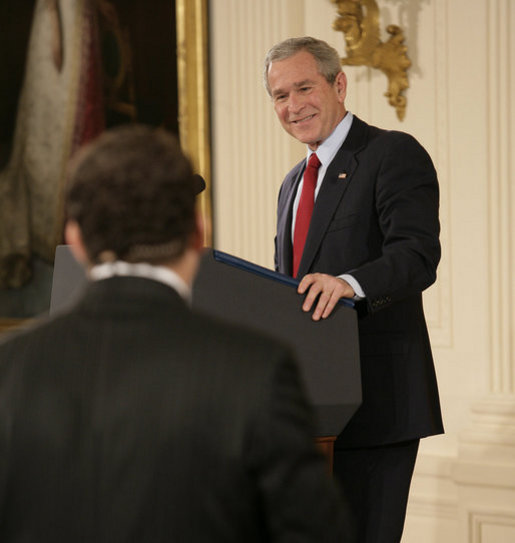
x=325 y=153
x=141 y=269
x=329 y=147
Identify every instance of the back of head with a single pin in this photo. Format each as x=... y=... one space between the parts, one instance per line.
x=132 y=193
x=326 y=57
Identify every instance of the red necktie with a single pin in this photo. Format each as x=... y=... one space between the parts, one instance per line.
x=305 y=210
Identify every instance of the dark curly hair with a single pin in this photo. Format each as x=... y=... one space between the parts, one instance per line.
x=132 y=192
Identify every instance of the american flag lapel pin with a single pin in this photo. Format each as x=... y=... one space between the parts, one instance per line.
x=342 y=175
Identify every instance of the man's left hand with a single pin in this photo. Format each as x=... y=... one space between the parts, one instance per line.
x=327 y=288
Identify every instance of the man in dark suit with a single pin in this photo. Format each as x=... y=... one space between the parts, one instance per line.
x=370 y=232
x=129 y=417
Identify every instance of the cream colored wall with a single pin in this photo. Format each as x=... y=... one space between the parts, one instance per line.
x=250 y=152
x=461 y=107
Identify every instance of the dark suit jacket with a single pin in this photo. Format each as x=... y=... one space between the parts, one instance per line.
x=132 y=419
x=376 y=217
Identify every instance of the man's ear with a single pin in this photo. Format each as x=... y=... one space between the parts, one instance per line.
x=341 y=86
x=73 y=238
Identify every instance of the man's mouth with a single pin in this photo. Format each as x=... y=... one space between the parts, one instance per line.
x=303 y=120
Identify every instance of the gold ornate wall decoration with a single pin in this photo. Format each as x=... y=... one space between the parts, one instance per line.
x=359 y=21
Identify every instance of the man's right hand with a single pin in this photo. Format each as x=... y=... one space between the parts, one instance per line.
x=327 y=288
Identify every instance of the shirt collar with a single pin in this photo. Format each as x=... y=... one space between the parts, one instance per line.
x=329 y=147
x=162 y=274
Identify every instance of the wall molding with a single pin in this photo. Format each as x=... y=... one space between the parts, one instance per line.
x=430 y=506
x=501 y=208
x=479 y=520
x=439 y=316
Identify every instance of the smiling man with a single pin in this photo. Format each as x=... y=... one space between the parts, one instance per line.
x=307 y=104
x=359 y=218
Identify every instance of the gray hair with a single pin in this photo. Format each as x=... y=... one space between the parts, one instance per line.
x=326 y=57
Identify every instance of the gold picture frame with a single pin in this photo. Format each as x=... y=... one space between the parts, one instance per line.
x=193 y=95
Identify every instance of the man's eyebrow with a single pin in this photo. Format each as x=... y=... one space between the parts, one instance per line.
x=303 y=83
x=276 y=92
x=297 y=85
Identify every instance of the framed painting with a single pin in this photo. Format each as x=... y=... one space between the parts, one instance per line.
x=154 y=69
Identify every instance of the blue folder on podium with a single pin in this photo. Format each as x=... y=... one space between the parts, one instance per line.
x=327 y=351
x=240 y=292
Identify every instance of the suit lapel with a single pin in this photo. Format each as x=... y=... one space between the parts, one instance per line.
x=284 y=219
x=338 y=176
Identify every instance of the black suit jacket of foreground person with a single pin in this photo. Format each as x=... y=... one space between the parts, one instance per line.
x=376 y=218
x=130 y=418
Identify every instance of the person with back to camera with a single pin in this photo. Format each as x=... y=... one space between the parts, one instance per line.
x=128 y=417
x=358 y=218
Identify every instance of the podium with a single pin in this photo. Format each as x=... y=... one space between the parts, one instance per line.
x=240 y=292
x=327 y=351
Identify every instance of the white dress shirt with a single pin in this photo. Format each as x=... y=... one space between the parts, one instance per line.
x=326 y=151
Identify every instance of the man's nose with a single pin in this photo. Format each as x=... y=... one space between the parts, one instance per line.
x=295 y=103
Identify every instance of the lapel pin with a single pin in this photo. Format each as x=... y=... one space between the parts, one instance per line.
x=342 y=175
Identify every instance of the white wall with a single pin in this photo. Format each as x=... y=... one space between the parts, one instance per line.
x=461 y=107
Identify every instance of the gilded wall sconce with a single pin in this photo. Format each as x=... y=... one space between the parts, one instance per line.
x=359 y=21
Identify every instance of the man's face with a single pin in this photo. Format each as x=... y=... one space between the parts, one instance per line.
x=308 y=107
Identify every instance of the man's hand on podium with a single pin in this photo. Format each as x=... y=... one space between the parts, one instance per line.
x=327 y=288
